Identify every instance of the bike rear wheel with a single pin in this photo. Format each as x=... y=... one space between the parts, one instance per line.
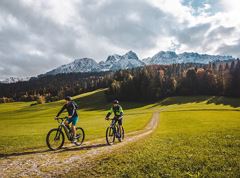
x=55 y=139
x=110 y=136
x=122 y=134
x=80 y=135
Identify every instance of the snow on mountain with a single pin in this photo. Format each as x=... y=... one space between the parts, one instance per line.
x=131 y=60
x=14 y=80
x=116 y=62
x=79 y=65
x=113 y=62
x=169 y=57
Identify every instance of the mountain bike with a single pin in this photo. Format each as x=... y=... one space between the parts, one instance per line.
x=55 y=137
x=113 y=132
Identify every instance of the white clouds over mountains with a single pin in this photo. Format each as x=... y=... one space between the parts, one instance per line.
x=36 y=36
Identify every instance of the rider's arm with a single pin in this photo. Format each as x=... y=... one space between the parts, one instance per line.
x=64 y=107
x=109 y=112
x=74 y=110
x=121 y=111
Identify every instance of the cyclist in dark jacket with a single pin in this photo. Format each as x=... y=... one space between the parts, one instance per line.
x=71 y=108
x=118 y=114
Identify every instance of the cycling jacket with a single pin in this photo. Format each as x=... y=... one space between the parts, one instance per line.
x=117 y=110
x=71 y=109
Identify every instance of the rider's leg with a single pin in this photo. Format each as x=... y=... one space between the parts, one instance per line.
x=114 y=120
x=67 y=124
x=120 y=126
x=74 y=130
x=74 y=122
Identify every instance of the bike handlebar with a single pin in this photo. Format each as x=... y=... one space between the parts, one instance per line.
x=113 y=118
x=62 y=119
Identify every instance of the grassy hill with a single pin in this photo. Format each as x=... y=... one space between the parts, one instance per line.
x=25 y=127
x=196 y=137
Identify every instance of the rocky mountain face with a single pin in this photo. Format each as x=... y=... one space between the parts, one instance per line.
x=79 y=65
x=170 y=57
x=113 y=63
x=131 y=60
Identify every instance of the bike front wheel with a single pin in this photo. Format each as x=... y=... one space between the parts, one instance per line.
x=110 y=136
x=80 y=135
x=120 y=133
x=55 y=139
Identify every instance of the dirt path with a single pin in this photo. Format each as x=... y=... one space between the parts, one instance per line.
x=52 y=164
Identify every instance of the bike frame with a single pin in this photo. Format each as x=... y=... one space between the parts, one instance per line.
x=113 y=125
x=64 y=127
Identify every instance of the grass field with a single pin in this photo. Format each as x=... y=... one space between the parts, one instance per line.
x=24 y=127
x=196 y=137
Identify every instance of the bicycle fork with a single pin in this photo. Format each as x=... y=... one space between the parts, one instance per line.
x=57 y=136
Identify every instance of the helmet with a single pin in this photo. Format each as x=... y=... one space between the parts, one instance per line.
x=68 y=98
x=115 y=101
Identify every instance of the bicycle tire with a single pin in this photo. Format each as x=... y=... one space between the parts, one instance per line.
x=81 y=138
x=61 y=135
x=110 y=132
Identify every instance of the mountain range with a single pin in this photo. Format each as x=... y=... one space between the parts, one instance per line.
x=14 y=80
x=128 y=61
x=131 y=60
x=112 y=63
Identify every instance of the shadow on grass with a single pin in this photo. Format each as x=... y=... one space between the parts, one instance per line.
x=87 y=147
x=64 y=149
x=234 y=102
x=23 y=153
x=97 y=101
x=218 y=100
x=196 y=110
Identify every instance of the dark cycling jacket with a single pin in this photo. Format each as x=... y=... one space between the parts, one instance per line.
x=117 y=110
x=71 y=109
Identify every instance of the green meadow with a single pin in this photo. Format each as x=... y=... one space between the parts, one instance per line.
x=196 y=137
x=24 y=128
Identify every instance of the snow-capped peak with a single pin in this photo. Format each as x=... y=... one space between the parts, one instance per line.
x=126 y=61
x=78 y=65
x=131 y=55
x=170 y=57
x=15 y=79
x=130 y=60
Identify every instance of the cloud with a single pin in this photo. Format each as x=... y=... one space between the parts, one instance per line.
x=36 y=36
x=231 y=48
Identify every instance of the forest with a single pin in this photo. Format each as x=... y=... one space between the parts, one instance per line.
x=50 y=88
x=155 y=82
x=149 y=83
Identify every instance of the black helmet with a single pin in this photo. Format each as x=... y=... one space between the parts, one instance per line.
x=115 y=101
x=68 y=98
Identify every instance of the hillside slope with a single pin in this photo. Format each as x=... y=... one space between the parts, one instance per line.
x=25 y=127
x=197 y=136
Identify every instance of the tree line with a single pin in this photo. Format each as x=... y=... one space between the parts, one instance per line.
x=54 y=87
x=152 y=83
x=149 y=83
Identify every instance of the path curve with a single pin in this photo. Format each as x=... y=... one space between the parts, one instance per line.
x=52 y=164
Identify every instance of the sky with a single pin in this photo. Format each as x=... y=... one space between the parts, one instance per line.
x=38 y=35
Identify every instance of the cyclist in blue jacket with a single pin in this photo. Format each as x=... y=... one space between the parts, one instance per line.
x=71 y=108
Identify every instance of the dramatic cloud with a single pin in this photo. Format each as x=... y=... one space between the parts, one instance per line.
x=36 y=36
